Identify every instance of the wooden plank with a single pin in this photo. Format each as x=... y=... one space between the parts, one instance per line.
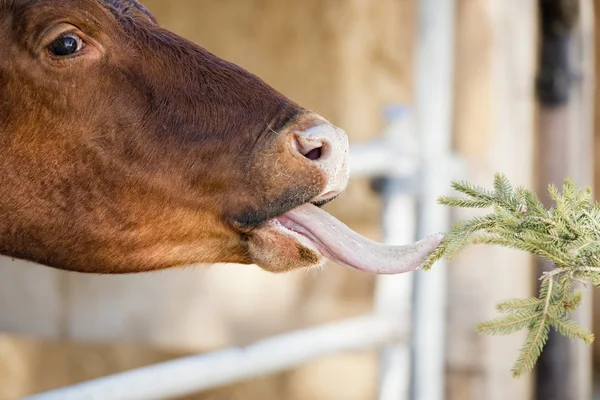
x=596 y=87
x=565 y=150
x=494 y=131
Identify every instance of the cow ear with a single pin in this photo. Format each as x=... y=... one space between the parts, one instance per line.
x=126 y=6
x=143 y=9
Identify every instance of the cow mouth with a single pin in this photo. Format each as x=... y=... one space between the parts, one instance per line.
x=328 y=238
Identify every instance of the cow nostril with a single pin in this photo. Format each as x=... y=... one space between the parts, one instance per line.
x=323 y=146
x=312 y=149
x=314 y=154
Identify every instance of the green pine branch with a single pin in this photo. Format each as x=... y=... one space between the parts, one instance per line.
x=567 y=234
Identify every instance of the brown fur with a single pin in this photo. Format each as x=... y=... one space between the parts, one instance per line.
x=142 y=152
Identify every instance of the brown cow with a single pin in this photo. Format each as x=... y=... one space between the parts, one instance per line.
x=125 y=148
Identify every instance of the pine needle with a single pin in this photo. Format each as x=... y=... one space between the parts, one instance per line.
x=567 y=234
x=519 y=305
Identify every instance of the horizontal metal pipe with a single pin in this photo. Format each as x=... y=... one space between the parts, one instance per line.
x=378 y=159
x=197 y=373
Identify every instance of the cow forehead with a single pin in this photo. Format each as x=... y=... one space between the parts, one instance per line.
x=120 y=7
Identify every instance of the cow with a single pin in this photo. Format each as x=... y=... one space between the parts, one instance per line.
x=125 y=148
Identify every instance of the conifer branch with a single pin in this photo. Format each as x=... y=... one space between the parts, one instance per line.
x=567 y=234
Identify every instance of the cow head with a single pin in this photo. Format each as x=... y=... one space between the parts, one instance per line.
x=127 y=148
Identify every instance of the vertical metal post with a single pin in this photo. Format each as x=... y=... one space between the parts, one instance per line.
x=393 y=295
x=434 y=74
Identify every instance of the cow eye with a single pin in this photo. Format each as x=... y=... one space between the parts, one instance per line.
x=65 y=45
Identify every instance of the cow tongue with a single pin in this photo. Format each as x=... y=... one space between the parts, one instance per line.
x=344 y=246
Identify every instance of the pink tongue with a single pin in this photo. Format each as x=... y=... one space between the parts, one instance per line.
x=346 y=247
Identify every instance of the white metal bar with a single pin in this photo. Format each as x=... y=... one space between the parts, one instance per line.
x=434 y=72
x=194 y=374
x=393 y=297
x=369 y=159
x=377 y=158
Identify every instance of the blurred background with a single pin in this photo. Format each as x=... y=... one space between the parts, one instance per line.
x=522 y=102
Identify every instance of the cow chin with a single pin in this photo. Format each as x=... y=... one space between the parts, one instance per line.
x=276 y=248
